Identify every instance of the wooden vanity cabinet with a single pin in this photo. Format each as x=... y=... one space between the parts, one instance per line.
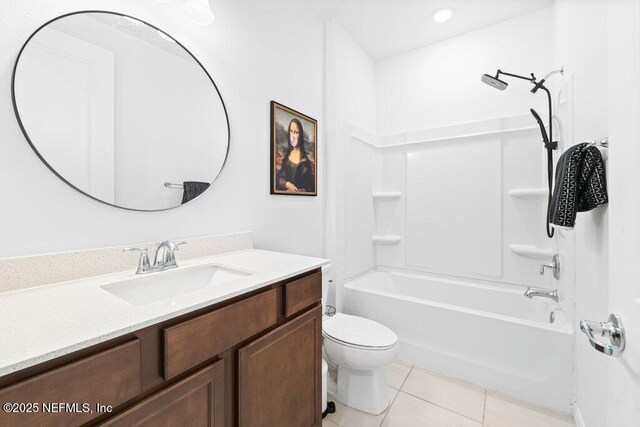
x=253 y=360
x=278 y=377
x=197 y=400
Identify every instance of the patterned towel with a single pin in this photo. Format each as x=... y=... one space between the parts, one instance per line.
x=193 y=189
x=581 y=184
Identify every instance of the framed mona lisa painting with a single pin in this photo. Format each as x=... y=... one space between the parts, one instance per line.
x=294 y=152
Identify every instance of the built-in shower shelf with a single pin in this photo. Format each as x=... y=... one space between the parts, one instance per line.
x=386 y=195
x=387 y=239
x=529 y=193
x=532 y=251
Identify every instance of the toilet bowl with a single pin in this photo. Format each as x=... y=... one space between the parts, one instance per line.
x=361 y=349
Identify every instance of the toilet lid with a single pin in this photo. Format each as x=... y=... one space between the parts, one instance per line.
x=358 y=331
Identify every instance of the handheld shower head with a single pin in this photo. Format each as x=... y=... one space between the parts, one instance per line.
x=494 y=82
x=545 y=137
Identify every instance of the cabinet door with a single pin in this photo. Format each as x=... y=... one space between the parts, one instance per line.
x=280 y=375
x=198 y=400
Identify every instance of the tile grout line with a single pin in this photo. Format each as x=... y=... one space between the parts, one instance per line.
x=484 y=407
x=442 y=407
x=407 y=377
x=396 y=396
x=389 y=407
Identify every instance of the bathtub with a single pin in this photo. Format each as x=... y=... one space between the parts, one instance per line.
x=489 y=335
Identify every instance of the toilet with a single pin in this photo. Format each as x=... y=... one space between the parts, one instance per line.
x=359 y=350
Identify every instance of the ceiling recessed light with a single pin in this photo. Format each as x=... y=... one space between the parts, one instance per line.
x=443 y=14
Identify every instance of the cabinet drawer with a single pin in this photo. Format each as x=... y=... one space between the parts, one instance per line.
x=302 y=293
x=110 y=377
x=192 y=342
x=197 y=400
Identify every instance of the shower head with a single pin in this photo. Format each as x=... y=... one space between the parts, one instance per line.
x=545 y=137
x=494 y=82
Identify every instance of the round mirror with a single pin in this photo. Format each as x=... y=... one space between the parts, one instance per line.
x=120 y=111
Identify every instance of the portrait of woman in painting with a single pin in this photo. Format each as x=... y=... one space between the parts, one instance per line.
x=293 y=152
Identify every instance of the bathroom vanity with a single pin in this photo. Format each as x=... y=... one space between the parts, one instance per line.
x=247 y=353
x=223 y=340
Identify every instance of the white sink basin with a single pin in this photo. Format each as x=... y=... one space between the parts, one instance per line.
x=171 y=283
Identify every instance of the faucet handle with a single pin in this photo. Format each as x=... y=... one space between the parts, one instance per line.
x=554 y=266
x=143 y=263
x=143 y=250
x=543 y=266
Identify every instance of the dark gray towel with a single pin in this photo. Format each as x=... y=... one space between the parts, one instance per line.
x=581 y=184
x=193 y=189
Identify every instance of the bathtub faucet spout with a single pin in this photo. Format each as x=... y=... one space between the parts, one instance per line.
x=533 y=292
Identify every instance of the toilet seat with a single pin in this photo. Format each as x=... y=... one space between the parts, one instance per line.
x=358 y=332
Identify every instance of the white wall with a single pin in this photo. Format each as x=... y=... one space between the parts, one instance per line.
x=580 y=44
x=438 y=85
x=256 y=51
x=350 y=101
x=623 y=67
x=352 y=79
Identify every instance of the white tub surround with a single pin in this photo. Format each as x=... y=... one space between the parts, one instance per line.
x=491 y=232
x=47 y=322
x=490 y=335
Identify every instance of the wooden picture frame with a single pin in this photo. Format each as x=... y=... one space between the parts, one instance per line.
x=293 y=171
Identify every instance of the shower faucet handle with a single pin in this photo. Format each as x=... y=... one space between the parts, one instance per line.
x=554 y=266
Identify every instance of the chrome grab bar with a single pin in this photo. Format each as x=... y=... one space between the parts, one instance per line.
x=612 y=329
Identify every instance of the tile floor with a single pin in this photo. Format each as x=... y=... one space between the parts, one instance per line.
x=419 y=397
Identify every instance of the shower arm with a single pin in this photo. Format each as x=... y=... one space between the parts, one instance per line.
x=551 y=144
x=531 y=79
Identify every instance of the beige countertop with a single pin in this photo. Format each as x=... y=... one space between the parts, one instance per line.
x=46 y=322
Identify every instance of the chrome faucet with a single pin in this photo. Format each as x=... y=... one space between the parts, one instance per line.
x=168 y=258
x=533 y=292
x=165 y=257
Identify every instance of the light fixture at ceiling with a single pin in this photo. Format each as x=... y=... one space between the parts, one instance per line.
x=199 y=11
x=443 y=14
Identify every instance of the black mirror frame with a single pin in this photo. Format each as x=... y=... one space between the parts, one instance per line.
x=26 y=135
